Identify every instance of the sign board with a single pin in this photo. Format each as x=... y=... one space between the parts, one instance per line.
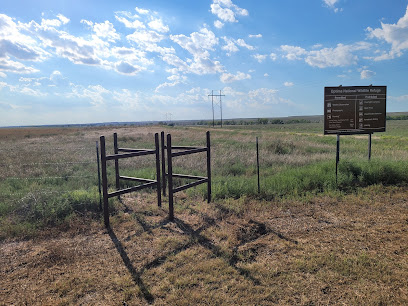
x=354 y=109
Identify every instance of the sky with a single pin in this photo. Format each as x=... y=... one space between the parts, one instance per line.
x=92 y=61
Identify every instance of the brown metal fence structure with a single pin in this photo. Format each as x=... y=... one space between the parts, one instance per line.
x=122 y=153
x=170 y=175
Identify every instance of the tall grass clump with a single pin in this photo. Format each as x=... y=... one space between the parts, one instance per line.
x=311 y=180
x=366 y=173
x=38 y=210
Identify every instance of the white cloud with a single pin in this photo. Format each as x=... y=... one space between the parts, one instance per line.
x=142 y=11
x=255 y=35
x=127 y=68
x=403 y=98
x=293 y=52
x=230 y=47
x=23 y=89
x=15 y=67
x=227 y=11
x=229 y=78
x=198 y=43
x=63 y=19
x=366 y=74
x=55 y=79
x=394 y=34
x=288 y=84
x=273 y=56
x=147 y=41
x=96 y=94
x=127 y=99
x=240 y=42
x=332 y=5
x=76 y=49
x=341 y=55
x=266 y=75
x=157 y=25
x=175 y=80
x=260 y=57
x=15 y=45
x=197 y=65
x=218 y=24
x=104 y=30
x=129 y=20
x=264 y=96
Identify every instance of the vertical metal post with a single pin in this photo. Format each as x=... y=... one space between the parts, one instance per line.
x=170 y=177
x=116 y=151
x=104 y=182
x=221 y=108
x=208 y=167
x=337 y=155
x=156 y=141
x=163 y=163
x=212 y=103
x=369 y=146
x=99 y=177
x=257 y=164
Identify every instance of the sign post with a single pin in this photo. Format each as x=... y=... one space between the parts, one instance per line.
x=352 y=110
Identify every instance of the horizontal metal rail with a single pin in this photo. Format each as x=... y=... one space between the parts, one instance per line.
x=131 y=189
x=134 y=150
x=192 y=177
x=192 y=151
x=184 y=187
x=127 y=155
x=184 y=148
x=136 y=179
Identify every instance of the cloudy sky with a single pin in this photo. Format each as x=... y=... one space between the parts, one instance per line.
x=98 y=61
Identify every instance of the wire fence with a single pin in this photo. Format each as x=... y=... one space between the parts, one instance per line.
x=34 y=172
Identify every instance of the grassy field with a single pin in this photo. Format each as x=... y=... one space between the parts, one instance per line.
x=302 y=240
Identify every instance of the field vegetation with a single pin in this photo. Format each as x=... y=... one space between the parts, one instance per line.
x=304 y=239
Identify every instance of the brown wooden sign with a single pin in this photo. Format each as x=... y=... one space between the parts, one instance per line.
x=354 y=109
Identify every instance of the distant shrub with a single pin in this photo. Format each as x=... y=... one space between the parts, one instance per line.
x=291 y=121
x=280 y=147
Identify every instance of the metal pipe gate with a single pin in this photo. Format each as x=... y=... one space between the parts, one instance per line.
x=122 y=153
x=170 y=175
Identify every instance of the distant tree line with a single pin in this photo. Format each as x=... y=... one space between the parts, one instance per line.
x=400 y=117
x=259 y=121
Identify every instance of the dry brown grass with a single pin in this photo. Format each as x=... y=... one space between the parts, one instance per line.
x=346 y=250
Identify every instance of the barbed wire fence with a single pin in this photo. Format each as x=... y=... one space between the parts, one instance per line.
x=35 y=173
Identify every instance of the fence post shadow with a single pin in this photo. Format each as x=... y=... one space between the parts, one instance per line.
x=136 y=276
x=231 y=259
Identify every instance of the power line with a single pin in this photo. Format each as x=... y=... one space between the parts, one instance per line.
x=212 y=104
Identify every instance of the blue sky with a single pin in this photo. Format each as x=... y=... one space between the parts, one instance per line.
x=98 y=61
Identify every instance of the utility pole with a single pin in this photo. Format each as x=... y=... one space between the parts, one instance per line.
x=168 y=116
x=212 y=104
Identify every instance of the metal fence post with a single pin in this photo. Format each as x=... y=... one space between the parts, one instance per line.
x=163 y=163
x=116 y=151
x=257 y=164
x=369 y=146
x=156 y=140
x=337 y=155
x=104 y=182
x=99 y=177
x=170 y=177
x=209 y=166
